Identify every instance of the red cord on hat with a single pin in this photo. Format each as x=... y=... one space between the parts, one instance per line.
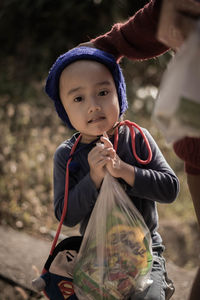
x=131 y=126
x=66 y=196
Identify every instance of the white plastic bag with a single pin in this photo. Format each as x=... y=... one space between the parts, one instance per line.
x=115 y=257
x=177 y=109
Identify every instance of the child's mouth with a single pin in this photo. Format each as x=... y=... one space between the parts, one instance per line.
x=96 y=120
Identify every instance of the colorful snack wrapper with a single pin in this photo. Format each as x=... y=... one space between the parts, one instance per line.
x=115 y=257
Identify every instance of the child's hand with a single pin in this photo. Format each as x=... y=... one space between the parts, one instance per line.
x=115 y=166
x=98 y=157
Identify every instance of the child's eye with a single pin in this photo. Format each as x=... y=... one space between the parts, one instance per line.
x=78 y=99
x=103 y=93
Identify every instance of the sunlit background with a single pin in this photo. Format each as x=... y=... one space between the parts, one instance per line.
x=33 y=34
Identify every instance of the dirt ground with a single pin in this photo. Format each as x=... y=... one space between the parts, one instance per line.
x=11 y=291
x=182 y=249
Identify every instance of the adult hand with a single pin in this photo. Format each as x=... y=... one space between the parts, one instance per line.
x=86 y=44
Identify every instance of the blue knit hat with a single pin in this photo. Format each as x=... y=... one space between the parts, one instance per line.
x=84 y=53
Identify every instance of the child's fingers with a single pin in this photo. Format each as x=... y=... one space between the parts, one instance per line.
x=105 y=135
x=100 y=153
x=105 y=140
x=101 y=163
x=111 y=152
x=108 y=152
x=101 y=148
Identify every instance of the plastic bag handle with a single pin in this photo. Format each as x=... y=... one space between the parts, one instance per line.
x=131 y=126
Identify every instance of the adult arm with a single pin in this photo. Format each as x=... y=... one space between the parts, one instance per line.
x=136 y=38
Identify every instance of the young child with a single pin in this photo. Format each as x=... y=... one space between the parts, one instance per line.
x=89 y=93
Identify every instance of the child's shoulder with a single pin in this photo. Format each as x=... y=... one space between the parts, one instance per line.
x=63 y=150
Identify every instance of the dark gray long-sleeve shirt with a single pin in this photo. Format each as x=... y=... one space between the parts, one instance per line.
x=154 y=182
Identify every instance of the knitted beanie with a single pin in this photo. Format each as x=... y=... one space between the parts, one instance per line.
x=84 y=53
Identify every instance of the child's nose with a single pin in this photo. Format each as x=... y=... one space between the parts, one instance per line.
x=93 y=105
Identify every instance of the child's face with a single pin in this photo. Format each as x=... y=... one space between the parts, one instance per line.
x=89 y=96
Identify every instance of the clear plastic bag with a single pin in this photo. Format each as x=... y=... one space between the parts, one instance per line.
x=177 y=109
x=115 y=257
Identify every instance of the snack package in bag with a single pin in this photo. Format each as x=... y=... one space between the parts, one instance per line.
x=177 y=109
x=115 y=257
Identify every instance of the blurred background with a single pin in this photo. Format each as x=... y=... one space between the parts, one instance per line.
x=32 y=35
